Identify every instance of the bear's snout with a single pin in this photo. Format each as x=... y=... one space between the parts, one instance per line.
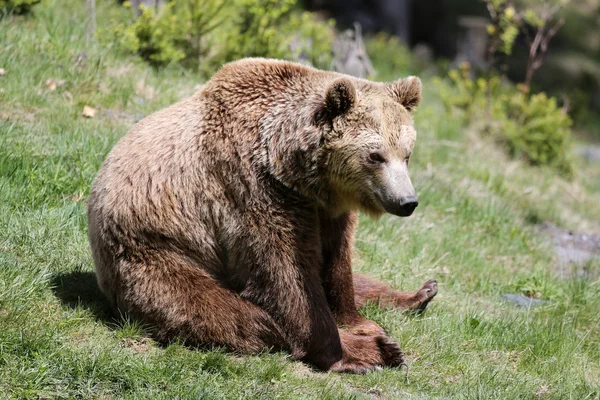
x=408 y=205
x=402 y=208
x=395 y=191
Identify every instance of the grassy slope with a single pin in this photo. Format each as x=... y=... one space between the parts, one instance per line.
x=470 y=232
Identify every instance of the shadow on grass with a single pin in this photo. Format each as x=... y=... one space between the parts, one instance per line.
x=80 y=289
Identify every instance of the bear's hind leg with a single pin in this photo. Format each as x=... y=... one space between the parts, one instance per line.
x=182 y=301
x=367 y=289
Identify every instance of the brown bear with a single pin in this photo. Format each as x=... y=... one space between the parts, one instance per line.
x=228 y=218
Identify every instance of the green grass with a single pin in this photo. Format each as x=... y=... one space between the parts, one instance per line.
x=472 y=231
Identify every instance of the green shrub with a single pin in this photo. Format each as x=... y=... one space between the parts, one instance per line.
x=537 y=129
x=16 y=6
x=206 y=33
x=258 y=32
x=390 y=56
x=309 y=38
x=179 y=32
x=531 y=126
x=272 y=28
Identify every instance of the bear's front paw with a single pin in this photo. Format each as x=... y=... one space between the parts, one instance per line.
x=425 y=294
x=390 y=351
x=362 y=354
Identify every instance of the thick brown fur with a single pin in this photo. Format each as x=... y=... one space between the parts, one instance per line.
x=228 y=218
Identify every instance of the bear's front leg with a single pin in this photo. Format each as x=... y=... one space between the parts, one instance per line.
x=366 y=338
x=284 y=279
x=337 y=239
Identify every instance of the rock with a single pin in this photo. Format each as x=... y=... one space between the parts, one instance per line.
x=523 y=301
x=350 y=55
x=88 y=112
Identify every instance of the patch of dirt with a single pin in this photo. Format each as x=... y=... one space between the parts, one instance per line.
x=142 y=345
x=25 y=115
x=572 y=248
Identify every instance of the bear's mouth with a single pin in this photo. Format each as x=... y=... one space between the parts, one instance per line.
x=372 y=204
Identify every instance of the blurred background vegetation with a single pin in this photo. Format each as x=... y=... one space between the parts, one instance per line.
x=505 y=53
x=523 y=72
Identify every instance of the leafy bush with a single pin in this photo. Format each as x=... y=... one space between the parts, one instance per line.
x=16 y=6
x=537 y=129
x=257 y=32
x=391 y=57
x=531 y=126
x=271 y=28
x=313 y=39
x=206 y=33
x=177 y=33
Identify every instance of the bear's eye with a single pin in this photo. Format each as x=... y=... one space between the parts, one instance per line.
x=407 y=159
x=376 y=158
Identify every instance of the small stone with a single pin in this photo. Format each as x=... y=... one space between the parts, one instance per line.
x=51 y=84
x=523 y=301
x=2 y=72
x=88 y=112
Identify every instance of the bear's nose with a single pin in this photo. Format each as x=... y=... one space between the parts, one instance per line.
x=408 y=205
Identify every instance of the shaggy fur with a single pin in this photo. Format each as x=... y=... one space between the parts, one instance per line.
x=228 y=218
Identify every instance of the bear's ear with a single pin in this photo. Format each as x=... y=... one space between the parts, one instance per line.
x=339 y=98
x=406 y=91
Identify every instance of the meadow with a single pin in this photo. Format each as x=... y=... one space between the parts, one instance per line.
x=474 y=231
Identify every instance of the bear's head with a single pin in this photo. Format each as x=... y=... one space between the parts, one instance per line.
x=367 y=140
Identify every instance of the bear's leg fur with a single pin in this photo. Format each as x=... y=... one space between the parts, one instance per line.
x=289 y=286
x=337 y=239
x=365 y=343
x=181 y=300
x=367 y=289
